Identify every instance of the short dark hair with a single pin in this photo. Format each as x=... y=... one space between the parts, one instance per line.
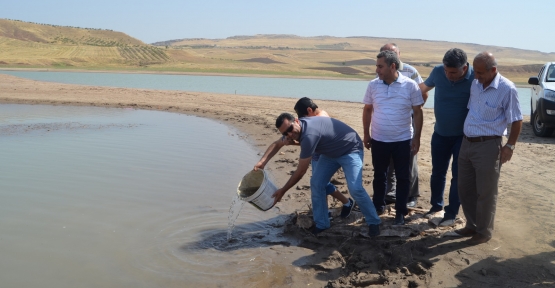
x=283 y=116
x=455 y=58
x=302 y=105
x=390 y=58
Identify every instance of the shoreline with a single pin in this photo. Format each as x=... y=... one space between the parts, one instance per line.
x=523 y=236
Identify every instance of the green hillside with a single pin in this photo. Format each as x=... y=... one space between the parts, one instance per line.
x=37 y=45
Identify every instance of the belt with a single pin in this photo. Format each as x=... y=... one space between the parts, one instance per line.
x=481 y=138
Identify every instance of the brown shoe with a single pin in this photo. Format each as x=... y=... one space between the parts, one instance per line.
x=478 y=239
x=465 y=232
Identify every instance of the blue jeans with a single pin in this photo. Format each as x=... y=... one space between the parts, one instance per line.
x=382 y=153
x=321 y=175
x=442 y=149
x=330 y=188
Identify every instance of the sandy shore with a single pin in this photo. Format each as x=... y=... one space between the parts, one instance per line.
x=521 y=253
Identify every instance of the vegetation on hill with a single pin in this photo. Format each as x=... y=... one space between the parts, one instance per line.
x=24 y=44
x=27 y=44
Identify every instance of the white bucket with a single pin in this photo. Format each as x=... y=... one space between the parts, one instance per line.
x=257 y=189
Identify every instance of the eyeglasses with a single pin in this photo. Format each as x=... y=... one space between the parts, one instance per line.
x=288 y=130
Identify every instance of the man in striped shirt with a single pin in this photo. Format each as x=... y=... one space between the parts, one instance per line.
x=389 y=101
x=414 y=193
x=493 y=105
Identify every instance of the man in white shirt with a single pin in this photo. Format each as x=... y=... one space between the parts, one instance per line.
x=411 y=72
x=389 y=101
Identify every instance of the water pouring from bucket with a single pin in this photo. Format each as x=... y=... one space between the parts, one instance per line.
x=257 y=189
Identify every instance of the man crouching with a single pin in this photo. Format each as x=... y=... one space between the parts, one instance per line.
x=339 y=146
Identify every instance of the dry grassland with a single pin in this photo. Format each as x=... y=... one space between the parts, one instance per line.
x=32 y=45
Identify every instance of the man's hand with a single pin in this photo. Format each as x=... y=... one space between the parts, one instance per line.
x=506 y=154
x=367 y=141
x=415 y=146
x=278 y=195
x=259 y=165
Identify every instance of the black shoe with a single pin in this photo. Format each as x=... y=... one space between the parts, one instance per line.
x=315 y=230
x=380 y=211
x=346 y=210
x=399 y=219
x=412 y=202
x=373 y=230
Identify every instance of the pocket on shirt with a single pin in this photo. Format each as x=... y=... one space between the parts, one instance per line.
x=490 y=112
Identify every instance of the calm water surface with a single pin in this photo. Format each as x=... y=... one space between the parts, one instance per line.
x=97 y=197
x=341 y=90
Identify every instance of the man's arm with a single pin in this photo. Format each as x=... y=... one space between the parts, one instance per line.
x=418 y=79
x=424 y=89
x=418 y=119
x=298 y=175
x=366 y=119
x=424 y=95
x=271 y=151
x=506 y=152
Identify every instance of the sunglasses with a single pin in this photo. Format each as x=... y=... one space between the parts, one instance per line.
x=288 y=130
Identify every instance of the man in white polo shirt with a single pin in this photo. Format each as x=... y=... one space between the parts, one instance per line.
x=389 y=101
x=411 y=72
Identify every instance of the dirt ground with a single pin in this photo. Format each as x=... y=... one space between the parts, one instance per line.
x=521 y=253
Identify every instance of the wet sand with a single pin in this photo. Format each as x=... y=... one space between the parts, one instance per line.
x=520 y=254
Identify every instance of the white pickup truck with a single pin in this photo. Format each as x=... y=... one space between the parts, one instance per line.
x=542 y=105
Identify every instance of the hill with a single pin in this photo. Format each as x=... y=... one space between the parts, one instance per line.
x=24 y=44
x=349 y=56
x=27 y=44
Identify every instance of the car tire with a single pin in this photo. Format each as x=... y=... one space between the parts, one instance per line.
x=538 y=127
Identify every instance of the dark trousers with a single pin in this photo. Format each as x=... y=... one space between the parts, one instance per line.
x=413 y=177
x=443 y=149
x=382 y=153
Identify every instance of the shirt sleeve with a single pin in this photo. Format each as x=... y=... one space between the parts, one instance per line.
x=368 y=95
x=430 y=81
x=512 y=107
x=308 y=146
x=416 y=77
x=416 y=96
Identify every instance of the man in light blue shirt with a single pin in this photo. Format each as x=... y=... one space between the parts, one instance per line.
x=493 y=105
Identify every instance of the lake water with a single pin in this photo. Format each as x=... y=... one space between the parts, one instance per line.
x=342 y=90
x=106 y=197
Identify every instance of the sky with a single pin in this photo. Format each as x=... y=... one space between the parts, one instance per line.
x=507 y=23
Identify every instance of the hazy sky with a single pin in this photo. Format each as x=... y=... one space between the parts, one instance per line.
x=509 y=23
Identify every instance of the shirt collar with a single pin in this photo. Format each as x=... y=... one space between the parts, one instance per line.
x=468 y=72
x=399 y=79
x=494 y=83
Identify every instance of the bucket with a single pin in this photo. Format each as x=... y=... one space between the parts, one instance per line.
x=257 y=189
